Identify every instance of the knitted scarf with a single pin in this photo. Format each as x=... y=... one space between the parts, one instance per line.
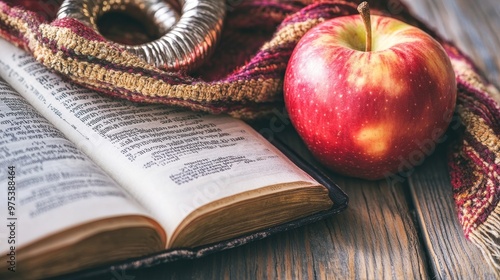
x=244 y=78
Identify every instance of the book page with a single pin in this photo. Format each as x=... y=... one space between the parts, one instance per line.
x=172 y=160
x=47 y=184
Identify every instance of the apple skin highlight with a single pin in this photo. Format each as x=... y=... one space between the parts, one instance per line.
x=367 y=114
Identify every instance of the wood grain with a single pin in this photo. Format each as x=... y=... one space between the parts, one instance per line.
x=375 y=238
x=473 y=27
x=451 y=255
x=401 y=231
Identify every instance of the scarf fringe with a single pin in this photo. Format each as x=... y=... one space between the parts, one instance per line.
x=487 y=238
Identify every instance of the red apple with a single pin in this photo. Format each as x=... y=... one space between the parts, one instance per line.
x=369 y=107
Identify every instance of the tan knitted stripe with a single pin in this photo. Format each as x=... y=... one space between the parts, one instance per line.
x=5 y=18
x=485 y=135
x=255 y=90
x=94 y=75
x=291 y=33
x=171 y=102
x=15 y=22
x=245 y=113
x=470 y=211
x=480 y=131
x=66 y=38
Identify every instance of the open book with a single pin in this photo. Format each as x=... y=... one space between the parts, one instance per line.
x=88 y=180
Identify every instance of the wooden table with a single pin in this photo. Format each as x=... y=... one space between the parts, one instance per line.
x=403 y=231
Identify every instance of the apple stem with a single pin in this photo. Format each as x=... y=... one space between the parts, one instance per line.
x=364 y=11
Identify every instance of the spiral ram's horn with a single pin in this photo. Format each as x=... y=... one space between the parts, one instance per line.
x=189 y=32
